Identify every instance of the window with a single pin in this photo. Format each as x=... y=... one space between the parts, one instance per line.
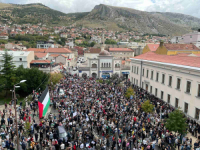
x=147 y=73
x=102 y=65
x=190 y=36
x=134 y=80
x=152 y=75
x=94 y=65
x=150 y=89
x=142 y=84
x=137 y=82
x=134 y=69
x=156 y=91
x=109 y=65
x=142 y=72
x=170 y=80
x=163 y=78
x=186 y=108
x=188 y=86
x=147 y=87
x=198 y=93
x=178 y=84
x=20 y=59
x=176 y=102
x=197 y=113
x=157 y=76
x=137 y=69
x=161 y=95
x=168 y=98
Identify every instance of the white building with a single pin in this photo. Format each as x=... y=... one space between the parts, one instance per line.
x=193 y=37
x=45 y=45
x=19 y=58
x=174 y=79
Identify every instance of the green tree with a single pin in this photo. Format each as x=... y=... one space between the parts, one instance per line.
x=147 y=107
x=33 y=77
x=129 y=92
x=176 y=122
x=92 y=44
x=110 y=41
x=55 y=78
x=27 y=128
x=7 y=72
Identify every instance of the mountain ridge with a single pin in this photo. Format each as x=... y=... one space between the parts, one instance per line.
x=103 y=16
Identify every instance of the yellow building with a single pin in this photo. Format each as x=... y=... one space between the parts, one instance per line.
x=150 y=47
x=174 y=49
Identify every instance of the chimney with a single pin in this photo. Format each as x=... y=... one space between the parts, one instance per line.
x=161 y=43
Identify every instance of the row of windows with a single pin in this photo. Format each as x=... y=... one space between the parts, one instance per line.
x=105 y=65
x=163 y=76
x=186 y=105
x=122 y=53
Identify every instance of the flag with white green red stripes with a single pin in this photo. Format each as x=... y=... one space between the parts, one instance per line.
x=44 y=102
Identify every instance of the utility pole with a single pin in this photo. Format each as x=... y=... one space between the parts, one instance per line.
x=16 y=119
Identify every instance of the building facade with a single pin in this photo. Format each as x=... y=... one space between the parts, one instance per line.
x=174 y=79
x=122 y=53
x=19 y=58
x=193 y=38
x=45 y=45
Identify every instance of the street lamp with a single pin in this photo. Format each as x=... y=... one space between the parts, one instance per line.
x=22 y=81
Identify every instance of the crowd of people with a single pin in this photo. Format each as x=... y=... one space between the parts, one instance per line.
x=94 y=116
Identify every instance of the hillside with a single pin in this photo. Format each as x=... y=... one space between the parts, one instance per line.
x=145 y=22
x=33 y=13
x=102 y=16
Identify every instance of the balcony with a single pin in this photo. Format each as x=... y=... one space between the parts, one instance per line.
x=93 y=68
x=106 y=68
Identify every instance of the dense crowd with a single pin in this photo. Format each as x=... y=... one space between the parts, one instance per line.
x=94 y=116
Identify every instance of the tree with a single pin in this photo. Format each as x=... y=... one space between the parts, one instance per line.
x=92 y=44
x=27 y=128
x=176 y=122
x=129 y=92
x=33 y=77
x=36 y=58
x=8 y=71
x=55 y=78
x=147 y=106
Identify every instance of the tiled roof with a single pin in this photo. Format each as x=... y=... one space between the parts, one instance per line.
x=120 y=50
x=40 y=55
x=153 y=47
x=180 y=46
x=36 y=50
x=54 y=55
x=58 y=50
x=93 y=50
x=173 y=59
x=40 y=61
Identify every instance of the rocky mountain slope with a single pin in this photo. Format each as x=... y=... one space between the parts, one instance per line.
x=145 y=22
x=102 y=16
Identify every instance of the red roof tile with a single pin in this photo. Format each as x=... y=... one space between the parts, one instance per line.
x=93 y=50
x=120 y=50
x=58 y=50
x=180 y=46
x=40 y=61
x=153 y=47
x=173 y=59
x=36 y=50
x=40 y=55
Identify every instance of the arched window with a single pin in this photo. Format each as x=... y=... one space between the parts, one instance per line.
x=102 y=65
x=94 y=65
x=109 y=65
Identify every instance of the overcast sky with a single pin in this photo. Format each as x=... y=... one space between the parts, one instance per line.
x=189 y=7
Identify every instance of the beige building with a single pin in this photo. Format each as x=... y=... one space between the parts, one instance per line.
x=92 y=53
x=122 y=53
x=173 y=79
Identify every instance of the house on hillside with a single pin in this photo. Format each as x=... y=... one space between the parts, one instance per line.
x=150 y=48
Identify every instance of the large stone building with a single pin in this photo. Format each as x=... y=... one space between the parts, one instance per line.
x=174 y=79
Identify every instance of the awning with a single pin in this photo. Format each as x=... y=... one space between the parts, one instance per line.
x=125 y=72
